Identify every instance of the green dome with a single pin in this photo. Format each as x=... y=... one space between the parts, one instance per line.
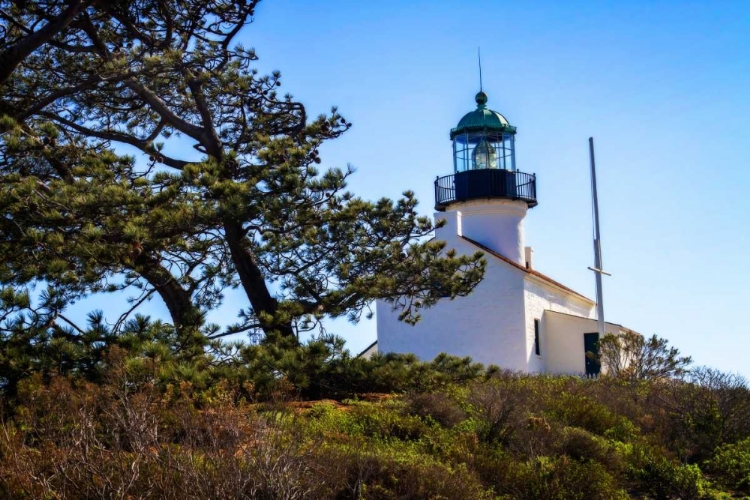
x=482 y=119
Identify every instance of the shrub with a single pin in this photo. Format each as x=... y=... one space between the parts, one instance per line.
x=699 y=414
x=415 y=479
x=323 y=368
x=585 y=447
x=582 y=411
x=663 y=479
x=500 y=405
x=731 y=466
x=383 y=423
x=550 y=478
x=436 y=406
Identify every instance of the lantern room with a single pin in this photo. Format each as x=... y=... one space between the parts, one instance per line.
x=484 y=161
x=483 y=139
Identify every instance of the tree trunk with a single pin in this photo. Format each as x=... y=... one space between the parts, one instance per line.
x=253 y=281
x=185 y=316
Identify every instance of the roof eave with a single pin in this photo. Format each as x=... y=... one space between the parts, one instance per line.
x=540 y=278
x=567 y=291
x=481 y=128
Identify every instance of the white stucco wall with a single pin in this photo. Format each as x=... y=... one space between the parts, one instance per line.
x=540 y=296
x=496 y=224
x=562 y=338
x=487 y=325
x=495 y=324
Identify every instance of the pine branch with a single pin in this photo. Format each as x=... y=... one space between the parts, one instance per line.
x=144 y=145
x=11 y=57
x=124 y=316
x=76 y=327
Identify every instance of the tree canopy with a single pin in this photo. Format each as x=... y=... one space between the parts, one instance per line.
x=223 y=187
x=635 y=358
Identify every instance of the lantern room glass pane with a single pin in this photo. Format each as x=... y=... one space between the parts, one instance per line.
x=483 y=150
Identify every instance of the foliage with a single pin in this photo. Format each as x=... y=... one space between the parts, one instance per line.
x=557 y=478
x=701 y=413
x=323 y=368
x=225 y=191
x=633 y=357
x=443 y=430
x=437 y=407
x=33 y=344
x=730 y=466
x=663 y=478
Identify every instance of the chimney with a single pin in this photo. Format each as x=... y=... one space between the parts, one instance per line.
x=529 y=252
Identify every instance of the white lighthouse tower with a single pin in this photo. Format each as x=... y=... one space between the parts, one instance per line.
x=485 y=187
x=517 y=317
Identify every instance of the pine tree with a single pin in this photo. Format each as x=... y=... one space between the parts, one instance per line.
x=252 y=210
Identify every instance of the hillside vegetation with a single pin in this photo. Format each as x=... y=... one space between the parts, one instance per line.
x=144 y=156
x=311 y=422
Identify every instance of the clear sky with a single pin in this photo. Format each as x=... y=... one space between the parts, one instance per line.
x=664 y=88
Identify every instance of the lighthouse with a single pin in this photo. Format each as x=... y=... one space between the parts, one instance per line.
x=517 y=317
x=491 y=195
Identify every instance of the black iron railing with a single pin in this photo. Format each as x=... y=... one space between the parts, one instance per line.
x=483 y=184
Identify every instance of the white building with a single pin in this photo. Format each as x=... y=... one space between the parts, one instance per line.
x=516 y=318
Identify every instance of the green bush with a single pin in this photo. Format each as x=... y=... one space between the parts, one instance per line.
x=436 y=406
x=550 y=478
x=583 y=446
x=383 y=423
x=577 y=410
x=323 y=368
x=415 y=479
x=730 y=466
x=663 y=479
x=374 y=421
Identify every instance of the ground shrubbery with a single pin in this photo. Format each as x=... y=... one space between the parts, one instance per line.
x=730 y=466
x=316 y=423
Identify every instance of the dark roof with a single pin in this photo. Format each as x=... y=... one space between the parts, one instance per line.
x=533 y=272
x=581 y=317
x=367 y=348
x=482 y=119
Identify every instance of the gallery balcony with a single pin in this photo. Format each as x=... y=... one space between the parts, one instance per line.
x=484 y=184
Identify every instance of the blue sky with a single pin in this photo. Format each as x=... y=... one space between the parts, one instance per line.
x=664 y=88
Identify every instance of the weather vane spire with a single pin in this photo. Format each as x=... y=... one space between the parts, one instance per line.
x=479 y=58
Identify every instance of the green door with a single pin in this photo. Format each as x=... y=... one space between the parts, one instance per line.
x=590 y=341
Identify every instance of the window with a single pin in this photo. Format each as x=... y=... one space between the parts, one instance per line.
x=537 y=348
x=591 y=345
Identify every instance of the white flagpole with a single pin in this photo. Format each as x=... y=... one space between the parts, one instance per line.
x=597 y=245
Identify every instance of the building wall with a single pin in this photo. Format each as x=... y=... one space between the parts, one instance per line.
x=539 y=297
x=495 y=324
x=563 y=337
x=487 y=325
x=496 y=224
